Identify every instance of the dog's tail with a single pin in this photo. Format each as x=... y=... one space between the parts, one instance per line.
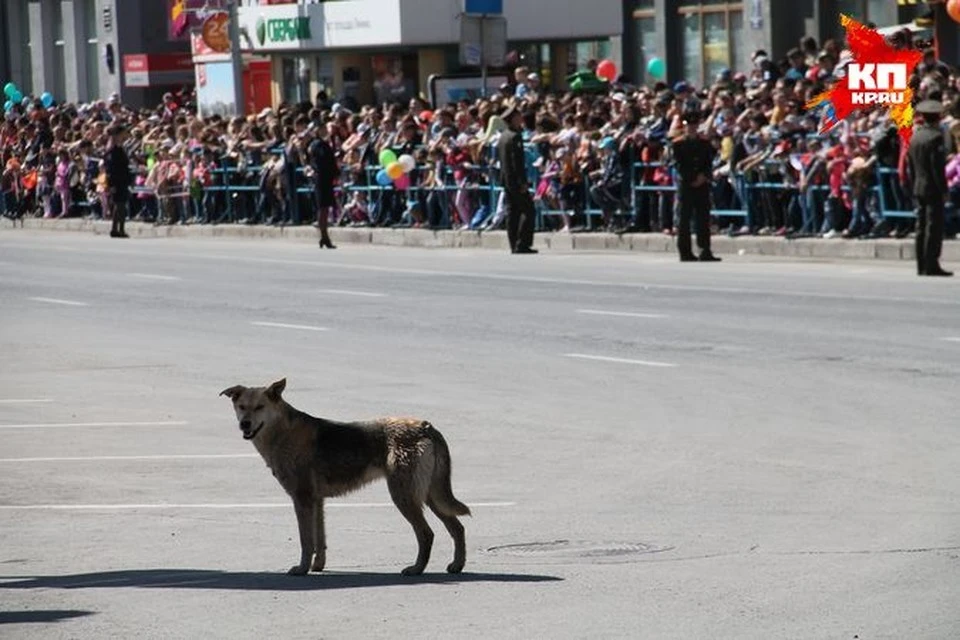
x=441 y=488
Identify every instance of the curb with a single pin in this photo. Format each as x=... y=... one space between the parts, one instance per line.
x=838 y=249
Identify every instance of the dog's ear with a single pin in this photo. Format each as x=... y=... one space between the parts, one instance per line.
x=233 y=392
x=275 y=390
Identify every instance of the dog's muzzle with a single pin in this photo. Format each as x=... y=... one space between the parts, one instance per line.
x=248 y=434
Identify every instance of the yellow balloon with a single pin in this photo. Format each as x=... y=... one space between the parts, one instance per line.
x=395 y=170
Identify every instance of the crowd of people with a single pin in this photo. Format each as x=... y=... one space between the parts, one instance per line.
x=594 y=159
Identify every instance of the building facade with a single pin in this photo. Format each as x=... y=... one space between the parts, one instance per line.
x=699 y=38
x=82 y=50
x=376 y=50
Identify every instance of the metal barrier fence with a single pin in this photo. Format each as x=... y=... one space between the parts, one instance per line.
x=236 y=194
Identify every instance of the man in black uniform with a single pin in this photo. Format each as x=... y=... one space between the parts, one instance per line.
x=119 y=180
x=926 y=169
x=693 y=159
x=513 y=176
x=324 y=165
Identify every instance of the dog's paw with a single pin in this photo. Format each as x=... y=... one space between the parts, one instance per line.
x=412 y=570
x=297 y=570
x=455 y=567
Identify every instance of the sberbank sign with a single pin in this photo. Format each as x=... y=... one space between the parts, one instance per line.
x=283 y=30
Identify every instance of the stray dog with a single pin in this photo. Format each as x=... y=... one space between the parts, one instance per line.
x=313 y=459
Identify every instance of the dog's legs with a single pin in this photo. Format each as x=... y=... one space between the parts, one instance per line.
x=413 y=512
x=319 y=538
x=455 y=528
x=305 y=522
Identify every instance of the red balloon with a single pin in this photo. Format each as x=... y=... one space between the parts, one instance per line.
x=953 y=9
x=426 y=115
x=607 y=70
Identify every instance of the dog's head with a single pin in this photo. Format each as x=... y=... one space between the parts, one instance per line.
x=256 y=407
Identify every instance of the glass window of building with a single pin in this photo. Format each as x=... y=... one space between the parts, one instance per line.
x=59 y=88
x=92 y=57
x=645 y=33
x=711 y=31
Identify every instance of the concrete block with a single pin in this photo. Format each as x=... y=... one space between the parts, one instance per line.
x=555 y=241
x=889 y=249
x=846 y=249
x=468 y=240
x=950 y=252
x=590 y=241
x=494 y=240
x=387 y=237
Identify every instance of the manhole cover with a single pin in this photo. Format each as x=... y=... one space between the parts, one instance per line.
x=568 y=549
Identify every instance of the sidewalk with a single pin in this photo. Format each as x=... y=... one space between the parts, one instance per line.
x=836 y=249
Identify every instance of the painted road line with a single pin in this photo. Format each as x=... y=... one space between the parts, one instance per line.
x=199 y=456
x=348 y=292
x=951 y=339
x=26 y=401
x=213 y=505
x=645 y=363
x=155 y=276
x=281 y=325
x=620 y=314
x=77 y=425
x=68 y=303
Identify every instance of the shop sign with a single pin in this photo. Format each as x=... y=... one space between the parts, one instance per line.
x=216 y=32
x=283 y=30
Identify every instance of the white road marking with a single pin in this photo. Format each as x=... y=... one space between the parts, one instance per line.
x=620 y=314
x=212 y=505
x=26 y=401
x=172 y=423
x=281 y=325
x=951 y=339
x=347 y=292
x=448 y=273
x=69 y=303
x=212 y=456
x=154 y=276
x=646 y=363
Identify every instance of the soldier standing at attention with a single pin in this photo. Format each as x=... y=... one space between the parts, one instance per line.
x=513 y=176
x=119 y=180
x=693 y=158
x=927 y=170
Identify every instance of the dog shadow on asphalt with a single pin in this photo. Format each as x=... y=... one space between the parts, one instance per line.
x=254 y=581
x=44 y=615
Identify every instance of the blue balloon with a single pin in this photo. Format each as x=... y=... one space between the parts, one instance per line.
x=383 y=179
x=7 y=106
x=17 y=96
x=46 y=99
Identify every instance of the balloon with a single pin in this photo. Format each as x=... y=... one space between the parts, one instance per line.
x=17 y=96
x=7 y=106
x=953 y=9
x=607 y=70
x=402 y=183
x=426 y=115
x=382 y=178
x=9 y=89
x=387 y=158
x=407 y=162
x=394 y=170
x=46 y=99
x=25 y=103
x=656 y=68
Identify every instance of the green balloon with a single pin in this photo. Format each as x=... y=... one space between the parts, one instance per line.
x=387 y=157
x=9 y=89
x=656 y=68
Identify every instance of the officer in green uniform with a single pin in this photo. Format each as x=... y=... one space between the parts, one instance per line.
x=926 y=170
x=513 y=176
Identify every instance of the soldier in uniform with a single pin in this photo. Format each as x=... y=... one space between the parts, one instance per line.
x=119 y=180
x=926 y=170
x=513 y=176
x=693 y=159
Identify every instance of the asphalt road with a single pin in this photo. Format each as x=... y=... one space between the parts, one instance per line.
x=752 y=449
